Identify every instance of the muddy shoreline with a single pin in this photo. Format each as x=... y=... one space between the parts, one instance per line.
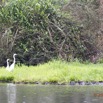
x=59 y=83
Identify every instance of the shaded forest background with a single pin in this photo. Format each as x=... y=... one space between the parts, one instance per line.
x=39 y=31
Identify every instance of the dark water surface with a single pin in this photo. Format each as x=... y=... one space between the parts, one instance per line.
x=11 y=93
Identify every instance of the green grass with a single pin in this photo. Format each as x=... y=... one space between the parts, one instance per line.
x=54 y=71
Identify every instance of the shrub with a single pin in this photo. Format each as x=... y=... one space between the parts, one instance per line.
x=38 y=32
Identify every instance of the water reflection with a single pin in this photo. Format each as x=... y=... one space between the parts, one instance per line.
x=10 y=93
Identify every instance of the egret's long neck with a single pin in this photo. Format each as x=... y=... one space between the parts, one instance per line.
x=14 y=58
x=7 y=63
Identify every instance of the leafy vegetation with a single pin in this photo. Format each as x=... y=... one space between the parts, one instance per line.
x=55 y=71
x=40 y=31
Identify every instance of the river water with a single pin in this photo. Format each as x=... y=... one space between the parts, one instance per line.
x=11 y=93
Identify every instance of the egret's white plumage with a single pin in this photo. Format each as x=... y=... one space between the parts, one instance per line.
x=7 y=67
x=13 y=64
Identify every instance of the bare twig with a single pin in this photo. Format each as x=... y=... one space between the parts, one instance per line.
x=63 y=42
x=59 y=29
x=50 y=35
x=12 y=44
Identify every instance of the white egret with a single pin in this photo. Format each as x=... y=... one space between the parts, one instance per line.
x=13 y=64
x=7 y=67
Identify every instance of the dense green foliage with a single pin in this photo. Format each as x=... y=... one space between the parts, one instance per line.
x=55 y=71
x=38 y=31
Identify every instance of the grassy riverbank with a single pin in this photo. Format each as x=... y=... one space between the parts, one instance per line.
x=54 y=71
